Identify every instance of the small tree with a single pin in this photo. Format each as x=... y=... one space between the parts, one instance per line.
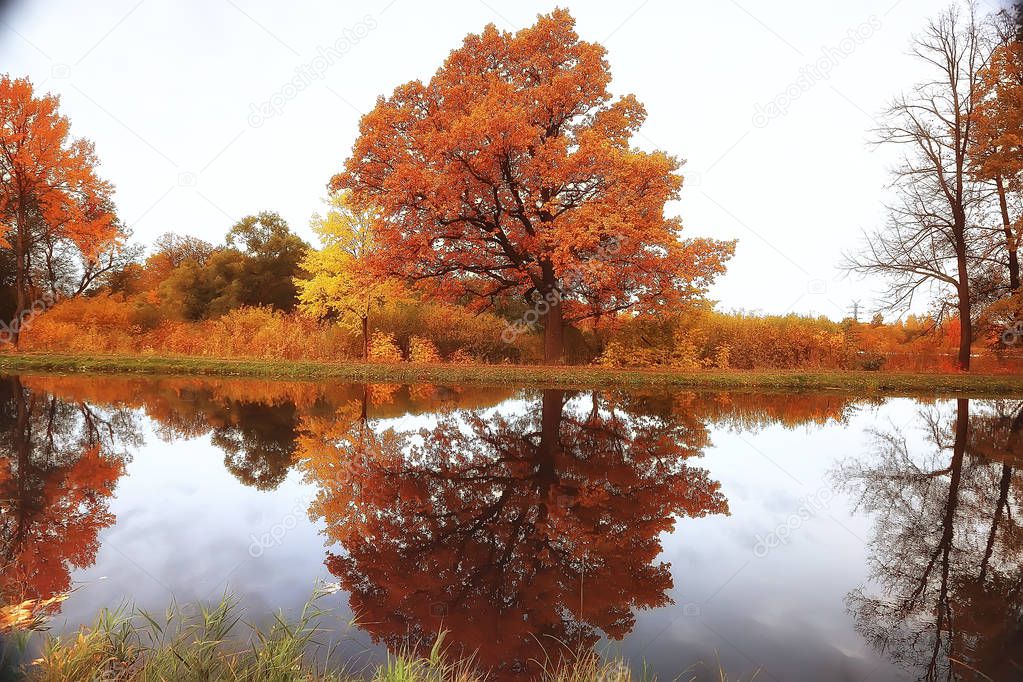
x=422 y=350
x=274 y=254
x=338 y=285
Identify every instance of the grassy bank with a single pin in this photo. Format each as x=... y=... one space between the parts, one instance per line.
x=198 y=643
x=566 y=377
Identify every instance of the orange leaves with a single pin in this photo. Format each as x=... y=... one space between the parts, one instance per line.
x=512 y=167
x=53 y=501
x=423 y=350
x=50 y=195
x=45 y=168
x=998 y=116
x=488 y=524
x=383 y=348
x=29 y=614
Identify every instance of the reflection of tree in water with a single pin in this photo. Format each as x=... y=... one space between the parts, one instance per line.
x=255 y=423
x=257 y=433
x=62 y=451
x=258 y=441
x=59 y=464
x=947 y=552
x=518 y=535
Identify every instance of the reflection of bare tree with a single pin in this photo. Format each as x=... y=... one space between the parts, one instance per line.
x=59 y=462
x=516 y=534
x=947 y=552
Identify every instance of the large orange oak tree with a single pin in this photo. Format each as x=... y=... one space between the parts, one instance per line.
x=511 y=173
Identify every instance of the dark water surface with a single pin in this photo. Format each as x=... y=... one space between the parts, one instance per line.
x=813 y=537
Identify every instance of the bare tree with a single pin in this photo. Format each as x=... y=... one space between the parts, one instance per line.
x=177 y=249
x=933 y=238
x=946 y=557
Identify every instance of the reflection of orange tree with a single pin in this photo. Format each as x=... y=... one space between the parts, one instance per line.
x=948 y=547
x=512 y=533
x=57 y=473
x=255 y=423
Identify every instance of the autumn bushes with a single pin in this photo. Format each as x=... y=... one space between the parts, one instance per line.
x=727 y=341
x=426 y=333
x=112 y=324
x=702 y=339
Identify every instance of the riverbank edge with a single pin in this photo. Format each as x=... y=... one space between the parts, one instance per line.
x=521 y=375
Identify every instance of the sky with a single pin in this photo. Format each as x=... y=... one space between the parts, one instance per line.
x=198 y=121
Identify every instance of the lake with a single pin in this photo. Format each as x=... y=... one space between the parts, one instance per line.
x=810 y=536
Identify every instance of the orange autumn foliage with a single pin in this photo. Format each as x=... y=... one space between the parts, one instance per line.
x=58 y=476
x=511 y=174
x=116 y=324
x=49 y=190
x=44 y=169
x=997 y=151
x=383 y=348
x=423 y=350
x=998 y=117
x=487 y=526
x=696 y=339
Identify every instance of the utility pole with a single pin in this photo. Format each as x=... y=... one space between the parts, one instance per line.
x=856 y=311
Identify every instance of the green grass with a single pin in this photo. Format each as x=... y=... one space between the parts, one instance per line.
x=203 y=643
x=894 y=383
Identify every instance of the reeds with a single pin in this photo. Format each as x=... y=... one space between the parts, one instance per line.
x=206 y=643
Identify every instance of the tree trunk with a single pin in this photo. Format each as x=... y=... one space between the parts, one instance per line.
x=20 y=276
x=552 y=409
x=965 y=328
x=1003 y=499
x=944 y=549
x=365 y=337
x=554 y=336
x=1010 y=238
x=963 y=290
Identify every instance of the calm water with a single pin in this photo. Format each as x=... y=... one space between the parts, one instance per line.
x=815 y=537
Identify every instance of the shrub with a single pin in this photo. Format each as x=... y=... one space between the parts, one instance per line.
x=383 y=348
x=423 y=350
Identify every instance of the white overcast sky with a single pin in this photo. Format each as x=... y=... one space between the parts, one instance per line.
x=165 y=88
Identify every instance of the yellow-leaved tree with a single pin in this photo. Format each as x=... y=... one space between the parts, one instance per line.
x=337 y=286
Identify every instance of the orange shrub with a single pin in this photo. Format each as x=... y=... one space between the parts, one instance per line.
x=109 y=324
x=383 y=348
x=422 y=350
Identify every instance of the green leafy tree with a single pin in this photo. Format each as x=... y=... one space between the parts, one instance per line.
x=257 y=267
x=274 y=254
